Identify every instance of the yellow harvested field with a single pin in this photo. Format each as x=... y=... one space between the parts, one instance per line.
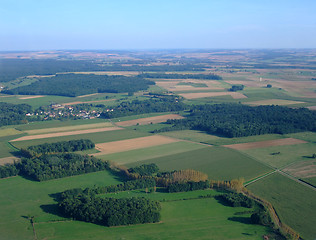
x=60 y=134
x=273 y=102
x=69 y=128
x=132 y=144
x=235 y=95
x=31 y=97
x=264 y=144
x=304 y=169
x=74 y=103
x=124 y=73
x=8 y=160
x=149 y=120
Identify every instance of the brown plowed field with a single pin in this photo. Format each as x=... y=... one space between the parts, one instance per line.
x=149 y=120
x=235 y=95
x=263 y=144
x=131 y=144
x=305 y=169
x=59 y=134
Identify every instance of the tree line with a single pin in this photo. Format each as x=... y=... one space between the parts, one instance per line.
x=237 y=120
x=111 y=211
x=208 y=76
x=159 y=104
x=72 y=85
x=60 y=165
x=62 y=146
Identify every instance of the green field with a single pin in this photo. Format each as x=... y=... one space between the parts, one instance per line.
x=56 y=123
x=295 y=204
x=21 y=197
x=6 y=149
x=288 y=154
x=311 y=181
x=202 y=137
x=135 y=156
x=218 y=162
x=190 y=219
x=9 y=131
x=99 y=137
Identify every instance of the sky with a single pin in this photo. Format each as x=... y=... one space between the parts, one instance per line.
x=156 y=24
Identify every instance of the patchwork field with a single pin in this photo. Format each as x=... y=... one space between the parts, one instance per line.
x=264 y=144
x=97 y=137
x=295 y=204
x=149 y=120
x=69 y=128
x=274 y=102
x=202 y=137
x=61 y=134
x=306 y=169
x=131 y=144
x=218 y=162
x=134 y=156
x=234 y=95
x=281 y=156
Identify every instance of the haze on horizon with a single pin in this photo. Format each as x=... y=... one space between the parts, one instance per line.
x=163 y=24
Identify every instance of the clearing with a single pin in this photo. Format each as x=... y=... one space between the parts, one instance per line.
x=52 y=135
x=264 y=144
x=130 y=144
x=149 y=120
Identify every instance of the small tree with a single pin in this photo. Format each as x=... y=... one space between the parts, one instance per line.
x=269 y=86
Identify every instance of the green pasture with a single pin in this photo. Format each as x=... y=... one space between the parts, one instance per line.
x=190 y=219
x=9 y=132
x=311 y=180
x=21 y=198
x=148 y=128
x=6 y=149
x=306 y=136
x=138 y=155
x=295 y=203
x=133 y=117
x=218 y=162
x=192 y=84
x=280 y=156
x=57 y=123
x=202 y=137
x=99 y=137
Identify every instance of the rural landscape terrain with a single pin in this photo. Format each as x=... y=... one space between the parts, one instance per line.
x=165 y=144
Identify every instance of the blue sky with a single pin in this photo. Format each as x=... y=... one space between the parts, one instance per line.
x=156 y=24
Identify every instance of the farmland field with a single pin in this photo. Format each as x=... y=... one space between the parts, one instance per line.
x=135 y=156
x=148 y=120
x=219 y=163
x=234 y=95
x=61 y=134
x=202 y=137
x=293 y=202
x=264 y=144
x=201 y=219
x=68 y=128
x=132 y=144
x=21 y=197
x=279 y=156
x=98 y=137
